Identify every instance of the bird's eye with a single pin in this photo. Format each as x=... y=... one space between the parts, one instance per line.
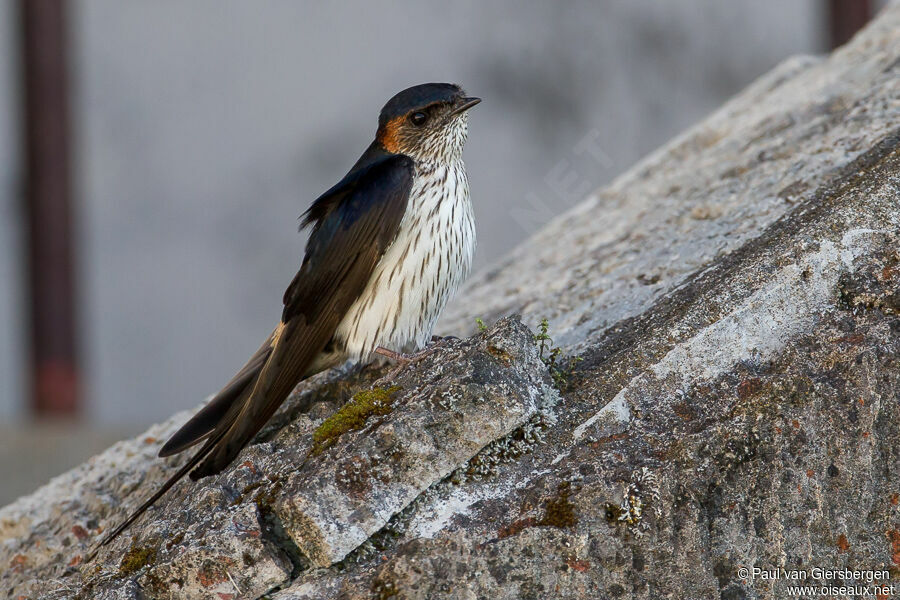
x=418 y=118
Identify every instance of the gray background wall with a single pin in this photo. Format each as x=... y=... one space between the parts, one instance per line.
x=204 y=128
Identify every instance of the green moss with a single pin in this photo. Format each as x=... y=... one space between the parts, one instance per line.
x=384 y=590
x=500 y=354
x=136 y=559
x=614 y=512
x=353 y=415
x=155 y=585
x=247 y=489
x=558 y=511
x=265 y=498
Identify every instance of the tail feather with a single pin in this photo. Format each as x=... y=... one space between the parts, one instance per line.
x=294 y=350
x=209 y=424
x=207 y=418
x=201 y=454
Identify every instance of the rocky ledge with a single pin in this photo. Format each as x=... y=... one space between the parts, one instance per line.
x=717 y=388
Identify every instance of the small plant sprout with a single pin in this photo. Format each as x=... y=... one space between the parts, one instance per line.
x=560 y=370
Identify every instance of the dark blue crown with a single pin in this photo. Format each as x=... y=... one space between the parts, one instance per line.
x=419 y=96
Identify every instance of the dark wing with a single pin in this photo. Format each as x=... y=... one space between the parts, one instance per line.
x=354 y=223
x=359 y=221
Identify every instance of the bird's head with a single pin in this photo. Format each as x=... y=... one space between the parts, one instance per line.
x=427 y=122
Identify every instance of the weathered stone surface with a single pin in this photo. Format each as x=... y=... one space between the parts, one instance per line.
x=478 y=391
x=734 y=302
x=311 y=490
x=702 y=196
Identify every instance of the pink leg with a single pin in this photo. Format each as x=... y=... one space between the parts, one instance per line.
x=391 y=354
x=404 y=359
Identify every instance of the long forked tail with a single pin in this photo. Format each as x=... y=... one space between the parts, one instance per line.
x=222 y=409
x=233 y=394
x=149 y=502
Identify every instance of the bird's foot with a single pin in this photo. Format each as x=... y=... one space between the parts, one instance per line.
x=404 y=360
x=399 y=357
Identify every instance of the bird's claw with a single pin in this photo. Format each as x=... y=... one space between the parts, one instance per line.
x=404 y=360
x=394 y=355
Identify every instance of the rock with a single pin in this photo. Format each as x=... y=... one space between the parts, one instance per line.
x=728 y=367
x=475 y=393
x=307 y=493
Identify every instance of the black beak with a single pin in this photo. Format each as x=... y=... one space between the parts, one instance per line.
x=464 y=105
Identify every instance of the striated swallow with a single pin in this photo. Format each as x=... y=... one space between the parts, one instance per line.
x=389 y=245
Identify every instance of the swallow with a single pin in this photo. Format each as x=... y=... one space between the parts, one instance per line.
x=389 y=245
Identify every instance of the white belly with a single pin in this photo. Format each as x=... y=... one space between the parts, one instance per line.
x=420 y=271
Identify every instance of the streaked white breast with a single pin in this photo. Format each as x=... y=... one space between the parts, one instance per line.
x=421 y=270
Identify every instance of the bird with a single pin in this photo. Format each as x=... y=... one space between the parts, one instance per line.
x=388 y=246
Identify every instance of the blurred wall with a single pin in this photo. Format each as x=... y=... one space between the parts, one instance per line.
x=204 y=128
